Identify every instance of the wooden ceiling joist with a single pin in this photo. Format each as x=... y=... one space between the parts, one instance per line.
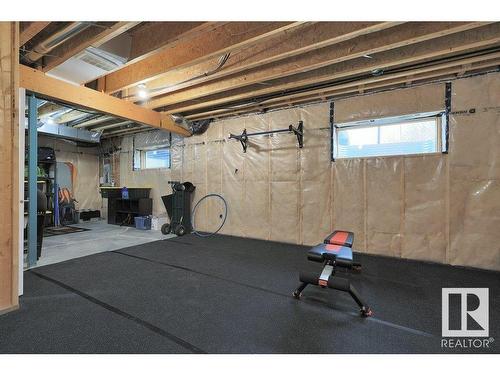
x=93 y=36
x=72 y=115
x=282 y=46
x=111 y=126
x=431 y=72
x=37 y=82
x=481 y=38
x=29 y=29
x=151 y=37
x=48 y=109
x=122 y=132
x=92 y=122
x=366 y=45
x=228 y=37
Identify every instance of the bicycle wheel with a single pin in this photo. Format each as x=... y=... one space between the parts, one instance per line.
x=210 y=213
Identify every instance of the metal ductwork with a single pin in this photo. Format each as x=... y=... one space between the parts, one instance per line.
x=65 y=132
x=55 y=40
x=181 y=121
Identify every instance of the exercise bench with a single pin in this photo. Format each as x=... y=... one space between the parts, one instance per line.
x=336 y=251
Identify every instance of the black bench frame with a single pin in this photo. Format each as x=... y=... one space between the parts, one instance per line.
x=327 y=278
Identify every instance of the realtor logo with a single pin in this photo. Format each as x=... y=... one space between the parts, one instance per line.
x=465 y=312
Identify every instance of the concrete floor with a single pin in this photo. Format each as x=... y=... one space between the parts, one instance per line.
x=100 y=238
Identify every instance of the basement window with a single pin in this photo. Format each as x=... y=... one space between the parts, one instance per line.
x=151 y=150
x=152 y=159
x=422 y=133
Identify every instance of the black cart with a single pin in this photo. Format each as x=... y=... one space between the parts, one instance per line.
x=178 y=206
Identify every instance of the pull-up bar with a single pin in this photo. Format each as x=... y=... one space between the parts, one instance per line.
x=298 y=131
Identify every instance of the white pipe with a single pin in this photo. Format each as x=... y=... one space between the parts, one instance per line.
x=21 y=135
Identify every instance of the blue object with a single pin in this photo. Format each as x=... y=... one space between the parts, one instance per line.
x=124 y=193
x=32 y=179
x=142 y=222
x=56 y=204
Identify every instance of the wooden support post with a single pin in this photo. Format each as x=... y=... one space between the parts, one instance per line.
x=9 y=184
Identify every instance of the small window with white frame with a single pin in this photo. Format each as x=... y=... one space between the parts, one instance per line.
x=152 y=159
x=151 y=150
x=421 y=133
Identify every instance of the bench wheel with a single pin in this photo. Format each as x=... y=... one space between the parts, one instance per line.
x=165 y=228
x=297 y=294
x=366 y=312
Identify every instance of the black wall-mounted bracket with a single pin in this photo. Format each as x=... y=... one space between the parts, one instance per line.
x=298 y=131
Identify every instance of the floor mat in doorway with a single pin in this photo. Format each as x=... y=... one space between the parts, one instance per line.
x=56 y=231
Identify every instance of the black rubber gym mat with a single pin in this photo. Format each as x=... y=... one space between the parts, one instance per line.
x=52 y=319
x=233 y=295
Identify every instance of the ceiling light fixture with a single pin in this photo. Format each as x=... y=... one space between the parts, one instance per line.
x=142 y=93
x=377 y=72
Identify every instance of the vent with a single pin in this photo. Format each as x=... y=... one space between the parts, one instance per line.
x=101 y=59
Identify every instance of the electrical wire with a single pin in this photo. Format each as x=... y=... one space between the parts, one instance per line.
x=220 y=63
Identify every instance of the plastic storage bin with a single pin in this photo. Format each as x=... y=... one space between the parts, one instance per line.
x=143 y=222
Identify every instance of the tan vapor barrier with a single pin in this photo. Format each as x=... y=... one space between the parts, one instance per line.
x=377 y=197
x=213 y=208
x=474 y=172
x=315 y=174
x=194 y=169
x=424 y=221
x=233 y=179
x=418 y=99
x=349 y=199
x=156 y=179
x=286 y=221
x=256 y=192
x=439 y=207
x=383 y=195
x=85 y=162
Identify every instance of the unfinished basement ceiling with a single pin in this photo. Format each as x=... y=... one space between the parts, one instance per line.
x=95 y=62
x=211 y=70
x=70 y=122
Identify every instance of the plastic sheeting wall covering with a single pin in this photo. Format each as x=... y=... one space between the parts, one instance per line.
x=86 y=162
x=438 y=207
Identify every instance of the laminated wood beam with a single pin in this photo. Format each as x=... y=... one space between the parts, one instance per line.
x=483 y=37
x=297 y=41
x=228 y=37
x=37 y=82
x=366 y=45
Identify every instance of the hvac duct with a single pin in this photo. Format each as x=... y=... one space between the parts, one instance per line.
x=61 y=131
x=55 y=40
